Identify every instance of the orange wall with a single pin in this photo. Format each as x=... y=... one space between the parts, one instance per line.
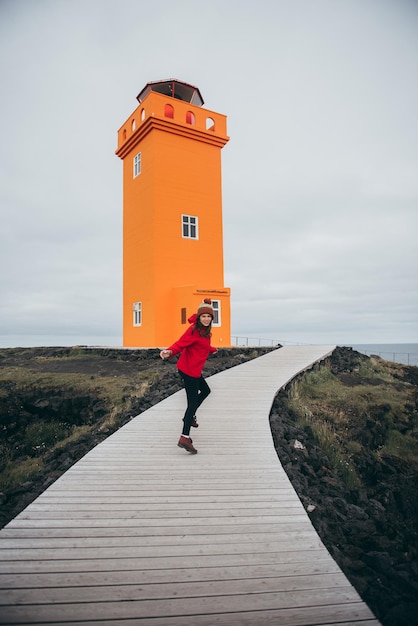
x=180 y=173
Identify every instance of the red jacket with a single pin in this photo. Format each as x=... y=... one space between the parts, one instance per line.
x=194 y=349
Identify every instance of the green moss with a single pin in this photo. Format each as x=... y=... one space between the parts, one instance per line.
x=370 y=409
x=41 y=435
x=401 y=445
x=17 y=473
x=32 y=422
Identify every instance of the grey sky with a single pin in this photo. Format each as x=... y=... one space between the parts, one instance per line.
x=320 y=177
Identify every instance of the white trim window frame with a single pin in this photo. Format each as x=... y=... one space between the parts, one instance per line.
x=137 y=164
x=137 y=313
x=189 y=227
x=217 y=312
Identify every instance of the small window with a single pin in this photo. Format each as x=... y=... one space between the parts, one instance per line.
x=137 y=313
x=217 y=312
x=137 y=164
x=183 y=316
x=168 y=111
x=189 y=225
x=133 y=125
x=210 y=124
x=142 y=115
x=190 y=119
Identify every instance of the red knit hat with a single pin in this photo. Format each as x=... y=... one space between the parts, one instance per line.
x=205 y=307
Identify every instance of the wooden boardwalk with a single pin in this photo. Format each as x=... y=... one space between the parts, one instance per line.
x=141 y=532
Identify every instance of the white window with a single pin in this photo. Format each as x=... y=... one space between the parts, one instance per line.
x=189 y=225
x=137 y=313
x=137 y=164
x=217 y=312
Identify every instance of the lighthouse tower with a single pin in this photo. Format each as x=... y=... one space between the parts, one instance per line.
x=172 y=215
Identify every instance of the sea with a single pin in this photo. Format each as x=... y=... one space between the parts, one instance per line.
x=406 y=353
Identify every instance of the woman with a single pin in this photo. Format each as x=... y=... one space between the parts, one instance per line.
x=195 y=348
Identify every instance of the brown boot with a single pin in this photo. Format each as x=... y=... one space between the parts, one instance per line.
x=186 y=443
x=194 y=422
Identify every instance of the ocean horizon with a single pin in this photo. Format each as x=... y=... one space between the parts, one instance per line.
x=406 y=353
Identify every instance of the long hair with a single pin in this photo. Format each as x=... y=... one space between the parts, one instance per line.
x=204 y=331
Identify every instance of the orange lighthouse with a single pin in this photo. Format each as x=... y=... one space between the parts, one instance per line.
x=172 y=215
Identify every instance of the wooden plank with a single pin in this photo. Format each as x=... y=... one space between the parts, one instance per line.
x=154 y=551
x=350 y=615
x=157 y=591
x=220 y=560
x=172 y=488
x=214 y=505
x=178 y=607
x=301 y=617
x=319 y=571
x=157 y=549
x=23 y=532
x=170 y=494
x=24 y=543
x=195 y=509
x=25 y=520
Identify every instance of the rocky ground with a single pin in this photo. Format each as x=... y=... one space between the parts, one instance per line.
x=371 y=530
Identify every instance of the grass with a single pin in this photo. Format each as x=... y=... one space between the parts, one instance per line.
x=26 y=436
x=371 y=410
x=16 y=474
x=40 y=438
x=402 y=446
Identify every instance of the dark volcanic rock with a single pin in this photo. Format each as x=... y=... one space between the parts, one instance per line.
x=371 y=531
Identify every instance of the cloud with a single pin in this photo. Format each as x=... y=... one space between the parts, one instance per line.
x=319 y=177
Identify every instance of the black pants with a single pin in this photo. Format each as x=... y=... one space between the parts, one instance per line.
x=197 y=390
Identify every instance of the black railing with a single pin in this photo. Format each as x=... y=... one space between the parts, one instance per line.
x=406 y=358
x=250 y=342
